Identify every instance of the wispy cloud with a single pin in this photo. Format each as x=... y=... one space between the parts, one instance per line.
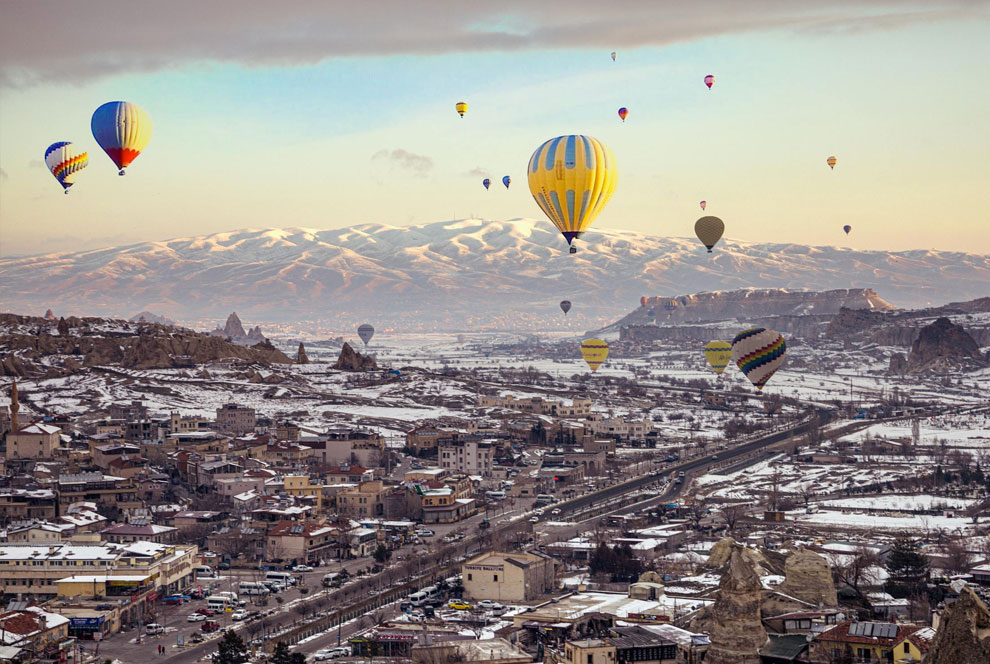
x=295 y=32
x=416 y=165
x=478 y=172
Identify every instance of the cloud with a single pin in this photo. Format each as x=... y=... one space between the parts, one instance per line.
x=478 y=172
x=113 y=38
x=415 y=164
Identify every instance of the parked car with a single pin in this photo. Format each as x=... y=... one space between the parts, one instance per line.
x=302 y=568
x=555 y=512
x=487 y=604
x=534 y=519
x=240 y=614
x=460 y=606
x=223 y=566
x=425 y=532
x=206 y=612
x=331 y=653
x=210 y=626
x=195 y=617
x=172 y=600
x=153 y=628
x=449 y=538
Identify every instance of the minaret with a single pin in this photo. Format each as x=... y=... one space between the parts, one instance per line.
x=14 y=407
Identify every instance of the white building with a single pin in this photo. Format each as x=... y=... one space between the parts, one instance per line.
x=468 y=457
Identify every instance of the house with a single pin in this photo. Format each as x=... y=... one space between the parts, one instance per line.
x=301 y=541
x=915 y=646
x=367 y=499
x=346 y=473
x=886 y=606
x=106 y=490
x=867 y=641
x=442 y=505
x=499 y=576
x=35 y=441
x=624 y=645
x=32 y=634
x=123 y=533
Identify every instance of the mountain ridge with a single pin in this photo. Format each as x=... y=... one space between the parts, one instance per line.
x=441 y=274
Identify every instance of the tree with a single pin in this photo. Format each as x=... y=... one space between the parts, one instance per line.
x=855 y=570
x=382 y=554
x=230 y=650
x=907 y=568
x=280 y=655
x=732 y=514
x=956 y=559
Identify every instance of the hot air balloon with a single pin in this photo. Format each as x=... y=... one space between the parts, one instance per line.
x=759 y=352
x=613 y=56
x=571 y=178
x=643 y=301
x=64 y=161
x=366 y=331
x=718 y=354
x=623 y=112
x=847 y=228
x=123 y=130
x=703 y=204
x=831 y=162
x=461 y=108
x=594 y=352
x=709 y=230
x=506 y=180
x=710 y=80
x=565 y=306
x=487 y=182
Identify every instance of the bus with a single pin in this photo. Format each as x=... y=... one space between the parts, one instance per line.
x=284 y=578
x=219 y=603
x=253 y=588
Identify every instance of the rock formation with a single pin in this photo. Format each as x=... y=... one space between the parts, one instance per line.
x=49 y=315
x=941 y=347
x=233 y=328
x=62 y=327
x=301 y=357
x=737 y=631
x=148 y=317
x=809 y=578
x=351 y=360
x=898 y=364
x=963 y=632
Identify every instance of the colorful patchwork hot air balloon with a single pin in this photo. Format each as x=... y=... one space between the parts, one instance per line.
x=847 y=228
x=506 y=180
x=461 y=108
x=64 y=161
x=487 y=182
x=623 y=112
x=758 y=353
x=703 y=204
x=571 y=178
x=123 y=130
x=613 y=56
x=718 y=354
x=594 y=352
x=831 y=162
x=565 y=306
x=366 y=331
x=709 y=230
x=710 y=80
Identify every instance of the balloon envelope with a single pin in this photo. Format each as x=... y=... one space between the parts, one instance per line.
x=506 y=180
x=623 y=112
x=613 y=56
x=643 y=300
x=847 y=228
x=123 y=130
x=594 y=352
x=487 y=182
x=759 y=353
x=461 y=108
x=565 y=305
x=703 y=204
x=571 y=178
x=65 y=161
x=718 y=354
x=366 y=331
x=710 y=80
x=831 y=162
x=709 y=230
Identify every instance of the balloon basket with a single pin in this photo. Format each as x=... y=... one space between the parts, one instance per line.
x=573 y=250
x=121 y=172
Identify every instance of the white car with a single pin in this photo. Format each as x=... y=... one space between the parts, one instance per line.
x=555 y=512
x=534 y=519
x=302 y=568
x=196 y=617
x=153 y=628
x=487 y=604
x=238 y=615
x=331 y=653
x=425 y=532
x=449 y=538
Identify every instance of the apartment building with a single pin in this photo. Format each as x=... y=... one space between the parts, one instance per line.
x=232 y=418
x=469 y=457
x=508 y=576
x=365 y=500
x=97 y=488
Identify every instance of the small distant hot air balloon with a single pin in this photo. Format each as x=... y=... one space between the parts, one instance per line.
x=461 y=108
x=594 y=352
x=758 y=353
x=565 y=306
x=703 y=204
x=366 y=331
x=613 y=56
x=506 y=180
x=64 y=161
x=123 y=130
x=623 y=112
x=487 y=182
x=847 y=228
x=831 y=162
x=718 y=354
x=571 y=179
x=710 y=80
x=709 y=230
x=643 y=301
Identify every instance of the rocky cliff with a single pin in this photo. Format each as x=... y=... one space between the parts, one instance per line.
x=351 y=360
x=942 y=347
x=901 y=328
x=233 y=330
x=35 y=346
x=963 y=633
x=148 y=317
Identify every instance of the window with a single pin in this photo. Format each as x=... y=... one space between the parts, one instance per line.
x=906 y=648
x=470 y=578
x=591 y=659
x=864 y=653
x=494 y=577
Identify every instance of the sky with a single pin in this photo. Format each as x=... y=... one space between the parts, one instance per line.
x=329 y=114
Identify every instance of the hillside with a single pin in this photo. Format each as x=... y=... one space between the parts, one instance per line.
x=456 y=275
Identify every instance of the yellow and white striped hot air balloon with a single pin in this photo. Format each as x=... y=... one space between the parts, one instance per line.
x=594 y=352
x=572 y=177
x=718 y=354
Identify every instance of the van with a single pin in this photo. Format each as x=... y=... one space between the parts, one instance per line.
x=152 y=629
x=248 y=588
x=496 y=495
x=228 y=594
x=332 y=580
x=419 y=598
x=219 y=603
x=284 y=578
x=204 y=572
x=545 y=498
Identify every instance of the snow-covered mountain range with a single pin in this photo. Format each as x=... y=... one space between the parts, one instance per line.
x=449 y=275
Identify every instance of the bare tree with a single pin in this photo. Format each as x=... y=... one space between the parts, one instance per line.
x=855 y=570
x=731 y=514
x=956 y=559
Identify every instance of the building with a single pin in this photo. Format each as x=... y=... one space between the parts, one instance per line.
x=128 y=412
x=624 y=645
x=915 y=646
x=508 y=576
x=301 y=541
x=346 y=473
x=428 y=438
x=470 y=457
x=232 y=418
x=864 y=641
x=23 y=504
x=106 y=490
x=620 y=427
x=123 y=533
x=441 y=505
x=32 y=635
x=574 y=408
x=35 y=441
x=365 y=500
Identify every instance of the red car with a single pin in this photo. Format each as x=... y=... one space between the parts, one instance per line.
x=172 y=601
x=205 y=612
x=210 y=626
